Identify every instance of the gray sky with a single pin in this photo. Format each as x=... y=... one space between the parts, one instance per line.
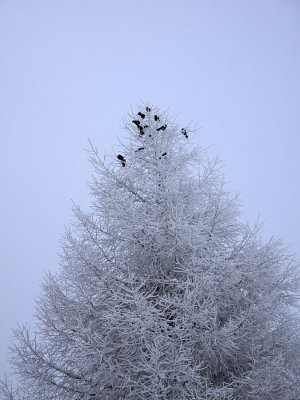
x=71 y=69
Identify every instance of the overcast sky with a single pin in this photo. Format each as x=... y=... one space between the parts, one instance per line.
x=70 y=70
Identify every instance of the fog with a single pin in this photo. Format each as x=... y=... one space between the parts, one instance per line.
x=71 y=70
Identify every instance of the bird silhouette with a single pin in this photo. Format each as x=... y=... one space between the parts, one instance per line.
x=162 y=128
x=183 y=131
x=136 y=122
x=141 y=129
x=146 y=126
x=148 y=109
x=122 y=159
x=141 y=115
x=140 y=148
x=163 y=155
x=156 y=118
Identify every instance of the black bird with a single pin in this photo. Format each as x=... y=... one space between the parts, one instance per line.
x=140 y=148
x=148 y=109
x=141 y=115
x=122 y=159
x=163 y=155
x=146 y=126
x=162 y=128
x=136 y=122
x=183 y=131
x=156 y=118
x=141 y=129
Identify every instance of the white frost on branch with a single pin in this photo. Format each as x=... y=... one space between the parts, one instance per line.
x=163 y=292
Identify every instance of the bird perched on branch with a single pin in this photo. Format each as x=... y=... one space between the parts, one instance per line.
x=156 y=117
x=141 y=129
x=163 y=155
x=138 y=125
x=122 y=159
x=140 y=148
x=162 y=128
x=141 y=115
x=183 y=131
x=148 y=109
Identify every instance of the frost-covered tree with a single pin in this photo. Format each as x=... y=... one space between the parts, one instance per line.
x=163 y=292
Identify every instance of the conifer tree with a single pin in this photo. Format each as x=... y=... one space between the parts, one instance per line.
x=163 y=293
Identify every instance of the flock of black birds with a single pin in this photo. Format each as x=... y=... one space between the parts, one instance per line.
x=141 y=131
